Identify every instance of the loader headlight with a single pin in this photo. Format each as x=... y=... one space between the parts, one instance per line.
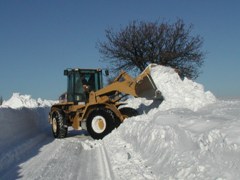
x=158 y=94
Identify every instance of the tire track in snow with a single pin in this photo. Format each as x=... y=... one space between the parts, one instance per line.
x=103 y=163
x=106 y=167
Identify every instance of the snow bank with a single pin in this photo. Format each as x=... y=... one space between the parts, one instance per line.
x=22 y=120
x=21 y=130
x=20 y=101
x=189 y=135
x=21 y=116
x=180 y=143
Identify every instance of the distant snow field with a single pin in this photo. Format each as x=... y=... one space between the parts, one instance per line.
x=189 y=135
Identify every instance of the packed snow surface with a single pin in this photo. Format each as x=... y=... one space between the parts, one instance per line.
x=188 y=135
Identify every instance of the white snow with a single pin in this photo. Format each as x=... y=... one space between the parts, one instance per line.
x=190 y=135
x=183 y=144
x=180 y=93
x=20 y=101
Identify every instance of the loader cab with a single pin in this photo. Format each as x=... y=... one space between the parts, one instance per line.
x=80 y=82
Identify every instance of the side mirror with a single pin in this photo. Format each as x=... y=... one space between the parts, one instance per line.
x=107 y=72
x=66 y=72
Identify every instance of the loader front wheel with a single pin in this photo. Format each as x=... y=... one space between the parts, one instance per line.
x=100 y=122
x=59 y=129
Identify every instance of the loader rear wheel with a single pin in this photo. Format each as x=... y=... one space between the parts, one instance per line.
x=100 y=123
x=128 y=112
x=59 y=129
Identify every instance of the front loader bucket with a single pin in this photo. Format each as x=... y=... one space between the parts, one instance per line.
x=145 y=86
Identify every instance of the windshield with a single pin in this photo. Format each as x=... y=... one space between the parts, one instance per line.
x=81 y=82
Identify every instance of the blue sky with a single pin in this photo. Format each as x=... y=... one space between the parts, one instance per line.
x=40 y=38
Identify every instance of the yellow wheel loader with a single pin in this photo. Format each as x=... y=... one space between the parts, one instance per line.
x=90 y=106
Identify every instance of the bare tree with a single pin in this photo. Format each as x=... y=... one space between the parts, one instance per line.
x=141 y=43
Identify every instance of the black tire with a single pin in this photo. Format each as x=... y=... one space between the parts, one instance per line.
x=59 y=129
x=128 y=112
x=100 y=122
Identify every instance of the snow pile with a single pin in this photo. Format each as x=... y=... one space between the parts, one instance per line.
x=20 y=101
x=180 y=143
x=189 y=136
x=180 y=93
x=177 y=93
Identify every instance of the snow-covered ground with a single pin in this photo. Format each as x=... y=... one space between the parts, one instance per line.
x=190 y=135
